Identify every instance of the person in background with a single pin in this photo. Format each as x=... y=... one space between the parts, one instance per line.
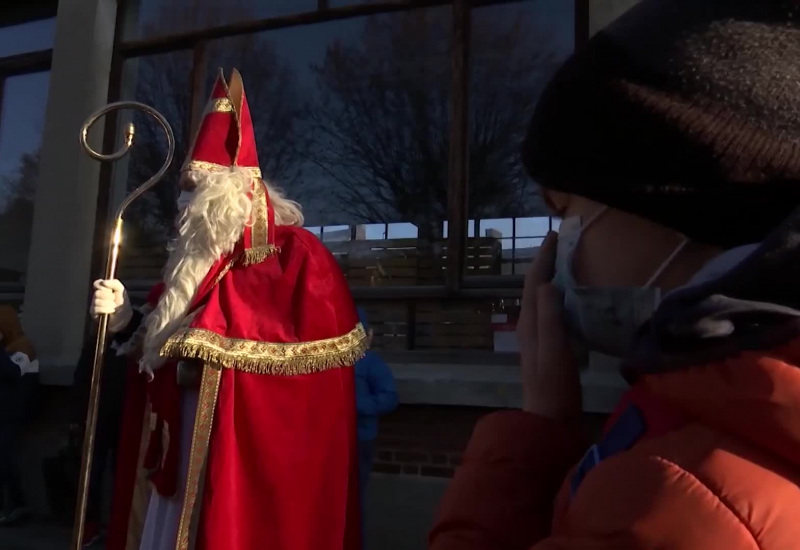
x=670 y=147
x=375 y=395
x=19 y=377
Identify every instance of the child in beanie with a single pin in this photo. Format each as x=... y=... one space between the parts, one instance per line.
x=670 y=147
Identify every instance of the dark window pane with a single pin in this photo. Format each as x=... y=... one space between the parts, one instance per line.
x=150 y=18
x=515 y=49
x=21 y=122
x=352 y=121
x=27 y=37
x=343 y=3
x=163 y=82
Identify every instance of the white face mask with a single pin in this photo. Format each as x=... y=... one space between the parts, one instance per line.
x=603 y=319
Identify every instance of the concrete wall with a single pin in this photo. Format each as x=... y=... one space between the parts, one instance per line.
x=58 y=278
x=499 y=386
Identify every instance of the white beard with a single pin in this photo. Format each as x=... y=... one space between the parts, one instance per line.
x=210 y=227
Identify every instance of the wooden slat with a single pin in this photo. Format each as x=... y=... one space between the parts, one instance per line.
x=142 y=262
x=389 y=344
x=465 y=318
x=455 y=342
x=396 y=261
x=453 y=329
x=401 y=262
x=453 y=307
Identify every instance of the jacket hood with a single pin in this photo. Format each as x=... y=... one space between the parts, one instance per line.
x=727 y=351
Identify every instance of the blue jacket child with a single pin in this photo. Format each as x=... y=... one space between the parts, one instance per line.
x=375 y=389
x=375 y=395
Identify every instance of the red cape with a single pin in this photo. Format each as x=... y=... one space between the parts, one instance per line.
x=274 y=460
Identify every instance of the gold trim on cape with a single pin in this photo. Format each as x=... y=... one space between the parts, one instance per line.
x=201 y=438
x=219 y=105
x=214 y=167
x=265 y=357
x=225 y=269
x=141 y=488
x=260 y=247
x=257 y=255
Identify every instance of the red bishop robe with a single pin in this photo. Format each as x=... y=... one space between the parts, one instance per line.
x=274 y=453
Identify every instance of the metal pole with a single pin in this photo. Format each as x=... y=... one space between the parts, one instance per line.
x=110 y=273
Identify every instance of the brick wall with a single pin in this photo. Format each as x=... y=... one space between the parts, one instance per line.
x=428 y=440
x=425 y=440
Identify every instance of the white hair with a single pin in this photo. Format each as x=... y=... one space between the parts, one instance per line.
x=210 y=227
x=287 y=212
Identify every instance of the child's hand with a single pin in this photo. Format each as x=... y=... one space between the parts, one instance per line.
x=550 y=380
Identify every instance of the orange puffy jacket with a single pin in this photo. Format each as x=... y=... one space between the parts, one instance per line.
x=726 y=477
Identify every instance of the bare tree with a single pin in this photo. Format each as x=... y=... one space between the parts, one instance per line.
x=164 y=81
x=16 y=216
x=21 y=183
x=382 y=123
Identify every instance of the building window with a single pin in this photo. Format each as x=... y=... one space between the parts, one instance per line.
x=515 y=50
x=351 y=121
x=27 y=37
x=381 y=128
x=151 y=18
x=24 y=99
x=163 y=82
x=353 y=103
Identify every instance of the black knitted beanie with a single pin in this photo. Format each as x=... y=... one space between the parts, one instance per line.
x=685 y=112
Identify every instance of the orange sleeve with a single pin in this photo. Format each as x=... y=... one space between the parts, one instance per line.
x=501 y=497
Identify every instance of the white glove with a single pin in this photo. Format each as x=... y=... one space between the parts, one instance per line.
x=111 y=298
x=26 y=366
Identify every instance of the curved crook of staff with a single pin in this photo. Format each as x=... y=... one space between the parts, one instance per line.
x=110 y=273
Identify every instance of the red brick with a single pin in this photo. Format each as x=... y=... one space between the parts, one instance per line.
x=435 y=471
x=439 y=433
x=385 y=456
x=398 y=442
x=430 y=430
x=406 y=456
x=387 y=468
x=439 y=459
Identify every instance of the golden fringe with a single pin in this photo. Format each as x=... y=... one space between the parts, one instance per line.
x=268 y=358
x=226 y=269
x=257 y=255
x=214 y=167
x=198 y=455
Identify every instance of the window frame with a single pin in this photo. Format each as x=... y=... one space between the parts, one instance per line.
x=21 y=64
x=456 y=286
